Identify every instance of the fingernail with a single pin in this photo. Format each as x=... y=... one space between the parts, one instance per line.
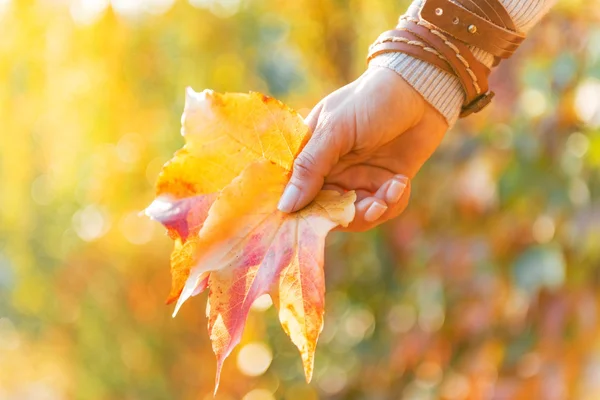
x=374 y=212
x=288 y=200
x=396 y=189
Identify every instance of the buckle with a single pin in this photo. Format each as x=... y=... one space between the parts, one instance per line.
x=477 y=105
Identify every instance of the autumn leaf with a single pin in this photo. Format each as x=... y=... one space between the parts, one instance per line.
x=250 y=248
x=183 y=219
x=223 y=133
x=218 y=199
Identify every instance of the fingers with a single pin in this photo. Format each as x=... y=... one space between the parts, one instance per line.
x=373 y=210
x=312 y=165
x=388 y=202
x=357 y=177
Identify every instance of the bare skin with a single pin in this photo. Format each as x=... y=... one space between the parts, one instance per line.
x=371 y=136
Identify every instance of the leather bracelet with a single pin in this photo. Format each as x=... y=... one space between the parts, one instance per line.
x=441 y=32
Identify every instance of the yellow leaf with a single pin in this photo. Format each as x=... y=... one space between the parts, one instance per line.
x=223 y=133
x=250 y=248
x=218 y=198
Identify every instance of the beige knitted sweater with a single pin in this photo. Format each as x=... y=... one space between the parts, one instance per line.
x=442 y=90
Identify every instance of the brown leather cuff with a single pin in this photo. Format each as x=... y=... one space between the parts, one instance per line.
x=441 y=33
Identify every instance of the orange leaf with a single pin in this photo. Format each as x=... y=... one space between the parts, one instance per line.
x=218 y=199
x=250 y=248
x=223 y=133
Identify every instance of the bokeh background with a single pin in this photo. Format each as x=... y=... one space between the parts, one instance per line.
x=488 y=287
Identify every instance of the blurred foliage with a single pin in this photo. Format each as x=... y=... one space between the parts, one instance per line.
x=486 y=288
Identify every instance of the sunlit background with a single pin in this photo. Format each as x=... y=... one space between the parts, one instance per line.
x=488 y=287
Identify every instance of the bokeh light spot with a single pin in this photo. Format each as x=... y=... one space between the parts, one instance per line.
x=254 y=359
x=259 y=394
x=533 y=102
x=401 y=318
x=41 y=191
x=129 y=148
x=476 y=185
x=359 y=324
x=91 y=223
x=128 y=8
x=263 y=303
x=579 y=193
x=428 y=374
x=578 y=144
x=158 y=7
x=87 y=12
x=455 y=387
x=220 y=8
x=543 y=229
x=4 y=4
x=333 y=380
x=431 y=317
x=587 y=101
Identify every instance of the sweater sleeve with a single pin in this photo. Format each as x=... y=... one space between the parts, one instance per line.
x=442 y=90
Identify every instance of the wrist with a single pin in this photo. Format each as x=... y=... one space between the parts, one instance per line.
x=441 y=89
x=436 y=87
x=388 y=93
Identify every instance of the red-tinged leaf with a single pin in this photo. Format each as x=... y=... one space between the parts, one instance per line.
x=183 y=219
x=218 y=198
x=250 y=248
x=223 y=133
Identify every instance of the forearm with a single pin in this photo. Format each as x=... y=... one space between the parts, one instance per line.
x=442 y=90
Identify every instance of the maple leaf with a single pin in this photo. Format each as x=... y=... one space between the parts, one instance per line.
x=218 y=199
x=287 y=264
x=250 y=248
x=223 y=133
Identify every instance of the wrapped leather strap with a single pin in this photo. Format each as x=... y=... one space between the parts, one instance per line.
x=404 y=41
x=471 y=28
x=472 y=74
x=440 y=34
x=492 y=10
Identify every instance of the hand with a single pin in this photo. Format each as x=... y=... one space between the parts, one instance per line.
x=370 y=136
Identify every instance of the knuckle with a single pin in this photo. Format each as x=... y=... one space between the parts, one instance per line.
x=327 y=128
x=305 y=165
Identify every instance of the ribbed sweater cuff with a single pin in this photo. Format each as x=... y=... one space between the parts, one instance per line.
x=440 y=89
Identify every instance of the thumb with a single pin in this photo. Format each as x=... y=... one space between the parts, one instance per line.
x=311 y=167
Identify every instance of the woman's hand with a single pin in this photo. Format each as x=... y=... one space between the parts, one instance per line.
x=370 y=136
